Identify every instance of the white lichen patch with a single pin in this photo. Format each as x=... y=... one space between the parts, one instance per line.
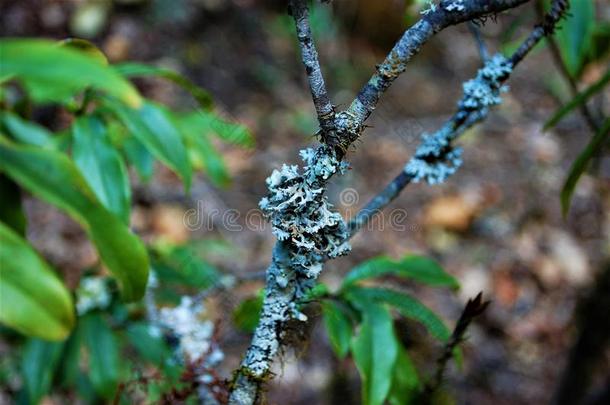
x=436 y=159
x=430 y=8
x=484 y=90
x=455 y=5
x=194 y=333
x=301 y=215
x=92 y=293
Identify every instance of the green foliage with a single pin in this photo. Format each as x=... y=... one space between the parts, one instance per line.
x=405 y=381
x=582 y=39
x=375 y=350
x=53 y=177
x=338 y=327
x=580 y=164
x=580 y=99
x=418 y=268
x=11 y=211
x=247 y=313
x=38 y=364
x=153 y=127
x=101 y=165
x=32 y=298
x=406 y=305
x=358 y=320
x=83 y=169
x=51 y=72
x=103 y=354
x=181 y=265
x=137 y=69
x=575 y=35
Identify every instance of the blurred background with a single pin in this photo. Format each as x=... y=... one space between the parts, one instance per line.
x=496 y=225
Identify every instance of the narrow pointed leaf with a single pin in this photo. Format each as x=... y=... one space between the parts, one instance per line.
x=418 y=268
x=53 y=177
x=580 y=99
x=580 y=165
x=33 y=299
x=375 y=350
x=51 y=72
x=38 y=364
x=575 y=34
x=26 y=131
x=408 y=307
x=101 y=165
x=205 y=122
x=405 y=381
x=137 y=69
x=338 y=327
x=103 y=350
x=154 y=128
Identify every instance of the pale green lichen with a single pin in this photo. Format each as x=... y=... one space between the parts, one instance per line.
x=436 y=159
x=301 y=215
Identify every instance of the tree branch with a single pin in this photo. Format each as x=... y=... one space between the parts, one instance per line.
x=449 y=12
x=464 y=118
x=308 y=232
x=309 y=56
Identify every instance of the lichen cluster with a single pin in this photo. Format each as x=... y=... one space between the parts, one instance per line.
x=436 y=159
x=92 y=293
x=301 y=215
x=455 y=5
x=484 y=90
x=194 y=333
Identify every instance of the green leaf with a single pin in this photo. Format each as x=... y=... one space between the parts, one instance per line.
x=375 y=350
x=137 y=69
x=205 y=156
x=26 y=131
x=139 y=157
x=580 y=99
x=11 y=211
x=180 y=264
x=51 y=72
x=153 y=126
x=338 y=327
x=32 y=298
x=418 y=268
x=575 y=35
x=103 y=351
x=580 y=164
x=101 y=165
x=53 y=177
x=247 y=313
x=38 y=365
x=69 y=367
x=405 y=304
x=203 y=122
x=405 y=382
x=151 y=347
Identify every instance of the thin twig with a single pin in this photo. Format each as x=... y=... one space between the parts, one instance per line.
x=476 y=33
x=474 y=307
x=410 y=43
x=324 y=108
x=460 y=121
